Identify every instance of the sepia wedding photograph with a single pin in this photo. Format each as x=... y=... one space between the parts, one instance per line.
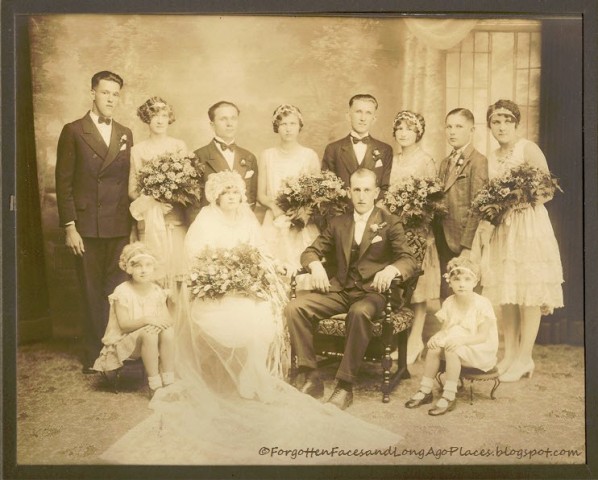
x=318 y=243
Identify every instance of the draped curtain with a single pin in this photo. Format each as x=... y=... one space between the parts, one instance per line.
x=423 y=73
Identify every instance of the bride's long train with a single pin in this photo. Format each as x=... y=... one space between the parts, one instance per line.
x=228 y=408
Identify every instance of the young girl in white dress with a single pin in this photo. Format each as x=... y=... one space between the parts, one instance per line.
x=413 y=161
x=139 y=324
x=288 y=159
x=521 y=264
x=161 y=226
x=468 y=337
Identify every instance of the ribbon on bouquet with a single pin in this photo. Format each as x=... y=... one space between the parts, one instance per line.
x=158 y=234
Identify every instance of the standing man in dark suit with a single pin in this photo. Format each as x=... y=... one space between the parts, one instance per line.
x=223 y=154
x=92 y=171
x=465 y=172
x=359 y=149
x=370 y=249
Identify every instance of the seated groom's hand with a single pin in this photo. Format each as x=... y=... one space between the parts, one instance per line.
x=384 y=278
x=319 y=277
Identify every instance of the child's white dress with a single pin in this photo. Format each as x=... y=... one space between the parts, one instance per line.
x=456 y=325
x=118 y=345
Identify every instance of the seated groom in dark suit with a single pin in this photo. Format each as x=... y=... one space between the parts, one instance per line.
x=359 y=149
x=370 y=250
x=223 y=154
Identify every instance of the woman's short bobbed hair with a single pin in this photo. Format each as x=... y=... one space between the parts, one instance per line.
x=152 y=107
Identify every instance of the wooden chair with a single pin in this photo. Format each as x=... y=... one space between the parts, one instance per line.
x=390 y=333
x=473 y=375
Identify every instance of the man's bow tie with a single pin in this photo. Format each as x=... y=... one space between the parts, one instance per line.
x=225 y=146
x=365 y=139
x=105 y=120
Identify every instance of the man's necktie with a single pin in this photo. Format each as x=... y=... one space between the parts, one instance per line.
x=453 y=159
x=225 y=146
x=105 y=120
x=365 y=139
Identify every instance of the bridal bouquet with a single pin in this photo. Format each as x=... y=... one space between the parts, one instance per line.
x=312 y=198
x=416 y=201
x=519 y=188
x=241 y=270
x=170 y=178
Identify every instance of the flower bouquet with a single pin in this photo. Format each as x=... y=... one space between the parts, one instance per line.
x=312 y=198
x=520 y=187
x=416 y=201
x=170 y=178
x=241 y=270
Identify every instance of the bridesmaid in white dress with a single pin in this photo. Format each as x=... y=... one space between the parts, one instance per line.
x=521 y=265
x=288 y=159
x=167 y=238
x=413 y=161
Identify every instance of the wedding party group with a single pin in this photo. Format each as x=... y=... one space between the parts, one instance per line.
x=175 y=268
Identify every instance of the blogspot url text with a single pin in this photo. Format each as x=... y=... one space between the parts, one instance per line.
x=437 y=453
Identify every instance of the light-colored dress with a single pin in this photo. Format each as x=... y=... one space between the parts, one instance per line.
x=521 y=263
x=118 y=345
x=229 y=403
x=286 y=244
x=420 y=164
x=458 y=324
x=168 y=243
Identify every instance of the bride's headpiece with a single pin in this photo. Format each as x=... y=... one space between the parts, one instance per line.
x=282 y=111
x=218 y=183
x=412 y=118
x=132 y=253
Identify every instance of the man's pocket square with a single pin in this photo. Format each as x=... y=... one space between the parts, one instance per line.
x=249 y=174
x=376 y=239
x=378 y=163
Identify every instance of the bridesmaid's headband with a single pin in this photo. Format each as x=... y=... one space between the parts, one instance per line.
x=502 y=111
x=410 y=117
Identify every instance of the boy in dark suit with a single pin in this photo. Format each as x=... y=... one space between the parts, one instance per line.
x=465 y=172
x=359 y=149
x=92 y=172
x=370 y=249
x=223 y=154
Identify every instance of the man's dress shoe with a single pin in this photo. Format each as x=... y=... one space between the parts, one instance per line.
x=88 y=370
x=341 y=398
x=313 y=387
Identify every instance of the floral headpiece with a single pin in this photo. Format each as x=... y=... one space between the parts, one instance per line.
x=284 y=110
x=503 y=111
x=219 y=182
x=455 y=270
x=132 y=253
x=411 y=118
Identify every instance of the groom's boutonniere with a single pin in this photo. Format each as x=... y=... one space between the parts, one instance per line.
x=377 y=159
x=459 y=162
x=376 y=227
x=243 y=163
x=123 y=142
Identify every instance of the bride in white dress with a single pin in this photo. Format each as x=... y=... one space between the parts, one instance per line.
x=229 y=405
x=288 y=159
